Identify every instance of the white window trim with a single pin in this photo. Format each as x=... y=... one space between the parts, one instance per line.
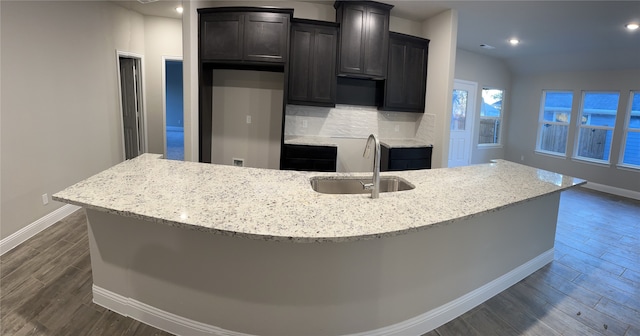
x=542 y=122
x=550 y=153
x=580 y=126
x=629 y=167
x=489 y=146
x=500 y=118
x=595 y=162
x=625 y=133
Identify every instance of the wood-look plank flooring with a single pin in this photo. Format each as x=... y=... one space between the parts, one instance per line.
x=591 y=288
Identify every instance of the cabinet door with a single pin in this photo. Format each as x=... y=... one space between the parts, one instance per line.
x=323 y=75
x=352 y=27
x=395 y=84
x=405 y=87
x=376 y=42
x=221 y=36
x=300 y=62
x=312 y=77
x=415 y=76
x=266 y=36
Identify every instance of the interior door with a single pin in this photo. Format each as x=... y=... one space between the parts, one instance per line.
x=130 y=94
x=462 y=112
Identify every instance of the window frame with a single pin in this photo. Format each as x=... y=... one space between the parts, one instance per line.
x=580 y=126
x=625 y=132
x=500 y=130
x=542 y=122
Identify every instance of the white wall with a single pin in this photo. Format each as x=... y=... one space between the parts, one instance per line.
x=162 y=37
x=433 y=127
x=488 y=72
x=523 y=123
x=60 y=107
x=238 y=94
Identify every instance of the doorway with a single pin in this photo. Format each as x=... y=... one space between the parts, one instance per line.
x=461 y=132
x=131 y=104
x=173 y=106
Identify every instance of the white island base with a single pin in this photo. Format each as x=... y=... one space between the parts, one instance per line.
x=189 y=282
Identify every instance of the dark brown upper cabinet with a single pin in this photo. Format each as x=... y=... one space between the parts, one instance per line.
x=364 y=38
x=312 y=63
x=244 y=35
x=405 y=87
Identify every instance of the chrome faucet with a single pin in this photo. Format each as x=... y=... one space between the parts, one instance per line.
x=375 y=185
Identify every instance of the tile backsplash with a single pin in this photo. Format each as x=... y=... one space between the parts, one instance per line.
x=348 y=121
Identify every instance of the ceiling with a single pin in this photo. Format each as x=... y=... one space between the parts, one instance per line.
x=163 y=8
x=555 y=35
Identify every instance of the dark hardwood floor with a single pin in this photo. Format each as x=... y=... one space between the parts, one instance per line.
x=591 y=288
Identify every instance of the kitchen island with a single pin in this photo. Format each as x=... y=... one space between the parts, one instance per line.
x=202 y=249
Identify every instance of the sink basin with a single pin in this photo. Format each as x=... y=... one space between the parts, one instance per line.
x=353 y=184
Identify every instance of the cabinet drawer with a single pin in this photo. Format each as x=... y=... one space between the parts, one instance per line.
x=320 y=165
x=409 y=153
x=409 y=158
x=309 y=152
x=409 y=164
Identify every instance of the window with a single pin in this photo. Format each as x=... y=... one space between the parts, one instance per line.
x=595 y=125
x=631 y=145
x=553 y=125
x=459 y=110
x=491 y=117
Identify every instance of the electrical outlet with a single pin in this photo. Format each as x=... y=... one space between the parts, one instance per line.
x=45 y=199
x=238 y=162
x=305 y=124
x=521 y=157
x=248 y=119
x=397 y=128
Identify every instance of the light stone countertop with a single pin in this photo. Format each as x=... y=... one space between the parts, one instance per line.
x=281 y=206
x=309 y=141
x=326 y=141
x=403 y=143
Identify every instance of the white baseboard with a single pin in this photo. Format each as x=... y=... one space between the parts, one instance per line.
x=155 y=317
x=19 y=237
x=434 y=318
x=612 y=190
x=414 y=326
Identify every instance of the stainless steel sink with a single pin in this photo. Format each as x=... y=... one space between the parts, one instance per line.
x=355 y=184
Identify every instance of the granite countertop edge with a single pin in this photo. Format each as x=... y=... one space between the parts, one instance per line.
x=328 y=141
x=244 y=210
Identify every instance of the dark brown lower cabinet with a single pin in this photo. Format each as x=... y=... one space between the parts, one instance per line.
x=411 y=158
x=309 y=158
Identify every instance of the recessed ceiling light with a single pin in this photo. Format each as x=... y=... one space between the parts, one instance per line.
x=514 y=41
x=632 y=26
x=179 y=9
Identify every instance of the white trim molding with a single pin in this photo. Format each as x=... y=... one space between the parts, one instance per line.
x=19 y=237
x=414 y=326
x=613 y=190
x=155 y=317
